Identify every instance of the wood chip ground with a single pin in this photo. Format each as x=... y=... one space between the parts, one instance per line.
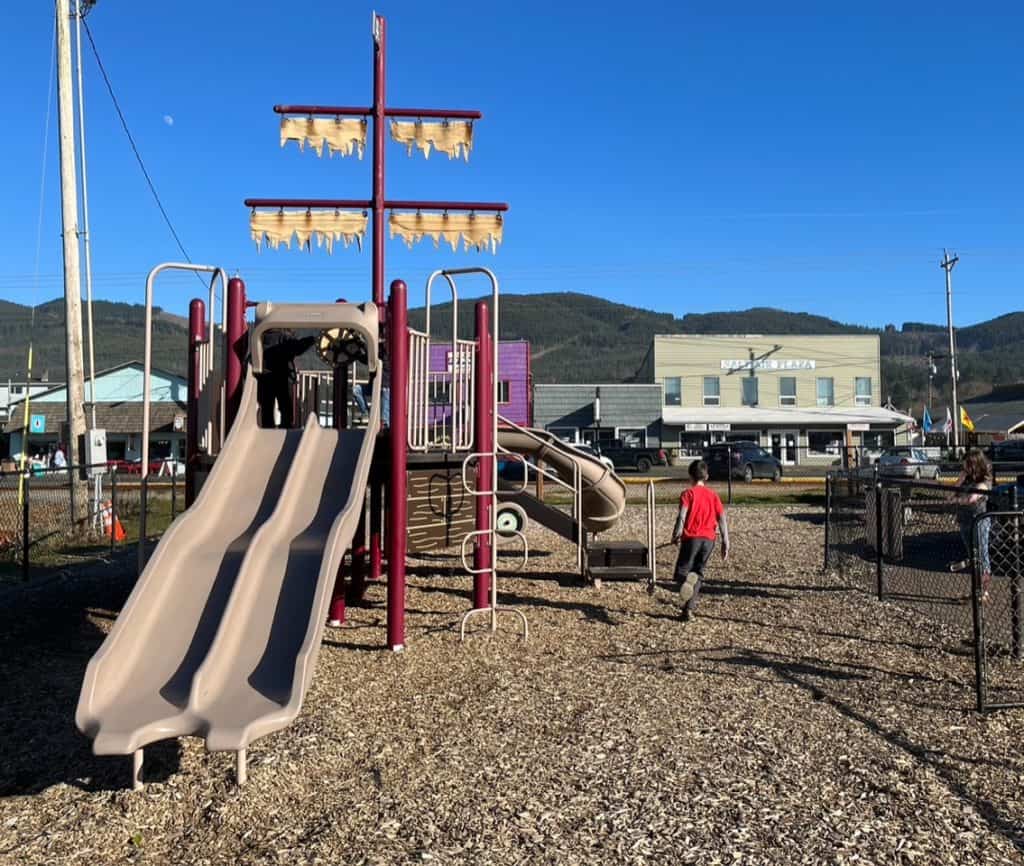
x=794 y=721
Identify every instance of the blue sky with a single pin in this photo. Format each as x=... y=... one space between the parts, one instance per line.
x=671 y=157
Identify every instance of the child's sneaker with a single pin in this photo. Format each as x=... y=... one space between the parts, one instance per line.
x=687 y=614
x=688 y=587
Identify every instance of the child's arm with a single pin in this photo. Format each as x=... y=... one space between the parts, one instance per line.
x=677 y=532
x=723 y=527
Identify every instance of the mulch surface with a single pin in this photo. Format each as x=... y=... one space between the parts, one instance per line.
x=795 y=720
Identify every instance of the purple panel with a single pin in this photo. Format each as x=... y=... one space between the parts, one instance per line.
x=513 y=368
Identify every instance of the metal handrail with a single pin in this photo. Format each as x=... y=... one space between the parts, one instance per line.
x=493 y=608
x=475 y=455
x=470 y=535
x=215 y=273
x=493 y=536
x=551 y=475
x=652 y=559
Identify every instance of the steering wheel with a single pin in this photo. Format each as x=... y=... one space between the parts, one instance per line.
x=337 y=346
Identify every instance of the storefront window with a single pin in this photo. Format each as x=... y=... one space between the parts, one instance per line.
x=712 y=394
x=603 y=435
x=633 y=437
x=566 y=434
x=825 y=442
x=826 y=391
x=787 y=391
x=878 y=440
x=673 y=391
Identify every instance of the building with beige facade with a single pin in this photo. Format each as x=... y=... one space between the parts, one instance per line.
x=801 y=397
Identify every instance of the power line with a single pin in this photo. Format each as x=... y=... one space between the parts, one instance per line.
x=135 y=149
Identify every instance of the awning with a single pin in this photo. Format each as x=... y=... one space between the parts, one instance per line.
x=755 y=416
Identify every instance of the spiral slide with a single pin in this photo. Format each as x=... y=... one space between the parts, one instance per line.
x=219 y=638
x=603 y=493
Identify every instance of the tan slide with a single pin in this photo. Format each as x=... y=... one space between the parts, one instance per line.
x=259 y=667
x=279 y=508
x=604 y=493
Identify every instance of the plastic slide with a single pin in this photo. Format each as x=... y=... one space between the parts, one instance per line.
x=604 y=493
x=259 y=667
x=220 y=635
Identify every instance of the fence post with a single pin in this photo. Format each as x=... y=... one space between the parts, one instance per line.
x=1014 y=579
x=113 y=507
x=878 y=539
x=979 y=626
x=24 y=525
x=143 y=508
x=828 y=520
x=728 y=455
x=174 y=489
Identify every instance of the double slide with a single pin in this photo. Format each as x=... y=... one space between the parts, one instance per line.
x=219 y=637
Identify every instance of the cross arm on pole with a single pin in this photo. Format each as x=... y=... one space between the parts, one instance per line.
x=353 y=111
x=309 y=202
x=330 y=203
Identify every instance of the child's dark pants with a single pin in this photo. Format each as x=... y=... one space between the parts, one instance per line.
x=694 y=554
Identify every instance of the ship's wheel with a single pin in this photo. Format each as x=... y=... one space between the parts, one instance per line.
x=337 y=346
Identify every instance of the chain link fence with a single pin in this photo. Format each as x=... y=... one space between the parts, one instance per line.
x=53 y=518
x=848 y=549
x=927 y=547
x=999 y=648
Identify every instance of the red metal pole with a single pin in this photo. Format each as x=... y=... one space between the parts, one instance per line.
x=376 y=495
x=357 y=589
x=483 y=420
x=236 y=347
x=196 y=335
x=379 y=67
x=339 y=401
x=398 y=338
x=336 y=614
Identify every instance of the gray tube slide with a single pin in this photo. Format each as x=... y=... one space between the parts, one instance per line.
x=604 y=493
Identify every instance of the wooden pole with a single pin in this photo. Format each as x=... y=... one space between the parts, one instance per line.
x=72 y=274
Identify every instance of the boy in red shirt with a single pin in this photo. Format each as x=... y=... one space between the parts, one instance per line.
x=700 y=512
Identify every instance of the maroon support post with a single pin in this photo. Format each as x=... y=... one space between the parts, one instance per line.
x=236 y=347
x=357 y=589
x=483 y=423
x=196 y=335
x=376 y=506
x=398 y=339
x=339 y=390
x=379 y=66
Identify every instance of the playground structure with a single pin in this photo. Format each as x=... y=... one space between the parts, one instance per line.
x=220 y=635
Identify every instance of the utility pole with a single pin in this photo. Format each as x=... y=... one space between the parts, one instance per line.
x=82 y=8
x=69 y=219
x=947 y=264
